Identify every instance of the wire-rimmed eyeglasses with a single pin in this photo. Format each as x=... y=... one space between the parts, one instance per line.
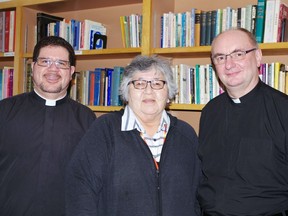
x=142 y=84
x=236 y=55
x=47 y=62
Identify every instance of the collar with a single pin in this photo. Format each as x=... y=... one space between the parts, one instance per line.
x=130 y=121
x=249 y=96
x=49 y=102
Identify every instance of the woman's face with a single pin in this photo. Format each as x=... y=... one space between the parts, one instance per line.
x=148 y=103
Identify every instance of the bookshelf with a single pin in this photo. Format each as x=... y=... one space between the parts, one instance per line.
x=108 y=13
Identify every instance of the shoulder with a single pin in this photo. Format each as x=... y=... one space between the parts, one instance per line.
x=78 y=107
x=182 y=127
x=9 y=103
x=268 y=91
x=275 y=100
x=111 y=120
x=215 y=102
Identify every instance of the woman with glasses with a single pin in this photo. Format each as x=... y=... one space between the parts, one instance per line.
x=140 y=160
x=243 y=135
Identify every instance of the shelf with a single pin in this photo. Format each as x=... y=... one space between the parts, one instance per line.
x=192 y=107
x=76 y=5
x=116 y=51
x=204 y=51
x=187 y=107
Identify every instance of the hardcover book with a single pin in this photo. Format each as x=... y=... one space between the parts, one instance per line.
x=43 y=20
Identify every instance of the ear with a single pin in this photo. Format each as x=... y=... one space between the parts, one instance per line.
x=32 y=66
x=72 y=70
x=258 y=55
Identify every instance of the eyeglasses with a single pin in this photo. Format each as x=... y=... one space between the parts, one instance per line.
x=46 y=62
x=142 y=84
x=236 y=56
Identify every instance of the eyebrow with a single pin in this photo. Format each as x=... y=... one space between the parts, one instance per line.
x=219 y=54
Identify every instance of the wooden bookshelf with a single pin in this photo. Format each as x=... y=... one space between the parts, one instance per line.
x=108 y=13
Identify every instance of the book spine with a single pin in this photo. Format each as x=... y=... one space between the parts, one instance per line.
x=260 y=20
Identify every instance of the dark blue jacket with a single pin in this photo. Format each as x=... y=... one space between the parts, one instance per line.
x=112 y=172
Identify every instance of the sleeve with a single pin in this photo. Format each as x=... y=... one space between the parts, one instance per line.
x=86 y=173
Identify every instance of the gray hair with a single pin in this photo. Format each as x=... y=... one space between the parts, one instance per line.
x=143 y=64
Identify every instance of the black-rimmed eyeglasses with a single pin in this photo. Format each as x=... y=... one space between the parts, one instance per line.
x=47 y=62
x=142 y=84
x=236 y=56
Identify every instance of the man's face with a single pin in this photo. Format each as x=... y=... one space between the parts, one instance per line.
x=237 y=75
x=52 y=81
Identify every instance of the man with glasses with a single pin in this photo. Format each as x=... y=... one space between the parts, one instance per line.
x=243 y=135
x=38 y=133
x=140 y=160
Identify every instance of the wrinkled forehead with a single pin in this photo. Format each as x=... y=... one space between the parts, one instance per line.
x=230 y=41
x=151 y=72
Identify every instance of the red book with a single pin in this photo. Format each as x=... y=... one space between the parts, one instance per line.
x=7 y=30
x=283 y=15
x=91 y=88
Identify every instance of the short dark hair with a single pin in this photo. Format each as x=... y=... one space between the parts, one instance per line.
x=54 y=41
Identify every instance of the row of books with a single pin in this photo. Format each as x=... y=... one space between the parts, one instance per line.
x=275 y=74
x=131 y=29
x=276 y=23
x=98 y=87
x=80 y=34
x=6 y=82
x=196 y=84
x=267 y=21
x=7 y=30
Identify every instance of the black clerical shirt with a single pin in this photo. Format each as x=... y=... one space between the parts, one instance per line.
x=244 y=154
x=36 y=142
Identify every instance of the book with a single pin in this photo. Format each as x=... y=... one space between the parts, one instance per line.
x=260 y=20
x=213 y=25
x=218 y=22
x=197 y=27
x=183 y=84
x=282 y=75
x=208 y=28
x=269 y=21
x=2 y=30
x=12 y=25
x=276 y=74
x=97 y=72
x=89 y=28
x=203 y=28
x=28 y=76
x=91 y=88
x=102 y=87
x=197 y=84
x=283 y=16
x=43 y=19
x=108 y=86
x=253 y=19
x=7 y=29
x=123 y=33
x=116 y=79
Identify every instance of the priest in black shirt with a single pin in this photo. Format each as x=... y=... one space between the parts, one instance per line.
x=38 y=132
x=243 y=135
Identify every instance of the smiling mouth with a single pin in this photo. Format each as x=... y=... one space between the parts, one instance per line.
x=52 y=77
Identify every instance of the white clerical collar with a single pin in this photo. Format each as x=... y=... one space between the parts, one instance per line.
x=236 y=100
x=49 y=102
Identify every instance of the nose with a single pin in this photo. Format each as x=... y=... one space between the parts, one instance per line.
x=229 y=63
x=148 y=88
x=53 y=65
